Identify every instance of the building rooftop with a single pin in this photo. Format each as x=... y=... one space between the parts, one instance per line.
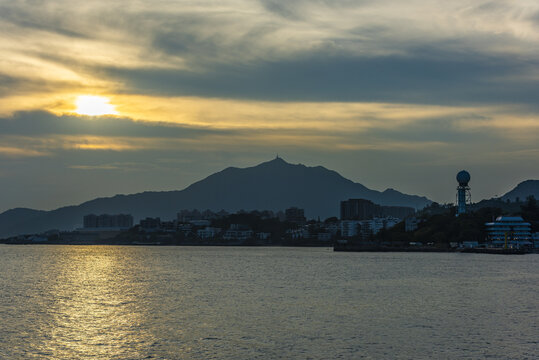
x=509 y=218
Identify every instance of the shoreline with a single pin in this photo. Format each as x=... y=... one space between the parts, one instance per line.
x=375 y=248
x=335 y=248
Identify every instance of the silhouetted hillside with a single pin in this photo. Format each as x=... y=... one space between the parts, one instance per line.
x=273 y=185
x=523 y=190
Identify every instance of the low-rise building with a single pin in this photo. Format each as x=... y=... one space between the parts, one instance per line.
x=509 y=231
x=169 y=226
x=208 y=232
x=200 y=223
x=299 y=233
x=117 y=221
x=469 y=244
x=238 y=232
x=366 y=228
x=350 y=228
x=150 y=224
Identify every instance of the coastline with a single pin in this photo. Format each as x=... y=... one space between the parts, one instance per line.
x=335 y=247
x=381 y=248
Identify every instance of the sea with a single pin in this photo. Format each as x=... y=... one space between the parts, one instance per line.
x=141 y=302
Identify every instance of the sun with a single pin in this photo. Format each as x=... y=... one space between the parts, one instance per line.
x=94 y=106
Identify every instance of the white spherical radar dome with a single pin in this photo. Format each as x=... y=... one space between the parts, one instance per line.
x=463 y=177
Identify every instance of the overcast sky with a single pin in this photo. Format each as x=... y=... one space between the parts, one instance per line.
x=399 y=94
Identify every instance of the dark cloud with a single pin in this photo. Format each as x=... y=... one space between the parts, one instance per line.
x=448 y=129
x=431 y=77
x=6 y=84
x=535 y=19
x=288 y=10
x=41 y=123
x=298 y=10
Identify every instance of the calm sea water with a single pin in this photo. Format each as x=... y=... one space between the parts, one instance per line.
x=114 y=302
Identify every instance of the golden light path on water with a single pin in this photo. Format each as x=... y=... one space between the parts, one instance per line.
x=96 y=309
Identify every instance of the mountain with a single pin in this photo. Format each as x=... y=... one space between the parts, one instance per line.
x=523 y=190
x=273 y=185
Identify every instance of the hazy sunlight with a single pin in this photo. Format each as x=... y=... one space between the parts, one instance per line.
x=94 y=106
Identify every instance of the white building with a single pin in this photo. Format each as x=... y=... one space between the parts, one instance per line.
x=208 y=232
x=350 y=228
x=202 y=222
x=365 y=228
x=301 y=233
x=238 y=232
x=512 y=230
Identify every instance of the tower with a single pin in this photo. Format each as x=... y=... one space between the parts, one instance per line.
x=463 y=191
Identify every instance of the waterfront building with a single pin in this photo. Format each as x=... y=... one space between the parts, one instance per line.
x=510 y=230
x=470 y=244
x=362 y=209
x=358 y=209
x=295 y=234
x=150 y=223
x=186 y=229
x=169 y=226
x=118 y=221
x=188 y=215
x=90 y=221
x=208 y=232
x=295 y=215
x=238 y=232
x=350 y=228
x=185 y=215
x=200 y=223
x=366 y=228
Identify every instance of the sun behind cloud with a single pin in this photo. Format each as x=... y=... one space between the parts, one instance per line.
x=94 y=106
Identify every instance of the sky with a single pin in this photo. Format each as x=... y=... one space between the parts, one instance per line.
x=391 y=94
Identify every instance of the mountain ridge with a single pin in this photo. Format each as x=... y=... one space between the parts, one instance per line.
x=271 y=185
x=523 y=190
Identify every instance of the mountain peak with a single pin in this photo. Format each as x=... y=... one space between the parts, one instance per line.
x=278 y=160
x=275 y=162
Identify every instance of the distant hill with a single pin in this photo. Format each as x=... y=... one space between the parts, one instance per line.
x=523 y=190
x=273 y=185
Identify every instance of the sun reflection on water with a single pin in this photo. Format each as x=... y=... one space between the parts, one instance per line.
x=95 y=311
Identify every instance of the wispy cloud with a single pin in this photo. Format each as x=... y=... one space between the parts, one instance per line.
x=16 y=152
